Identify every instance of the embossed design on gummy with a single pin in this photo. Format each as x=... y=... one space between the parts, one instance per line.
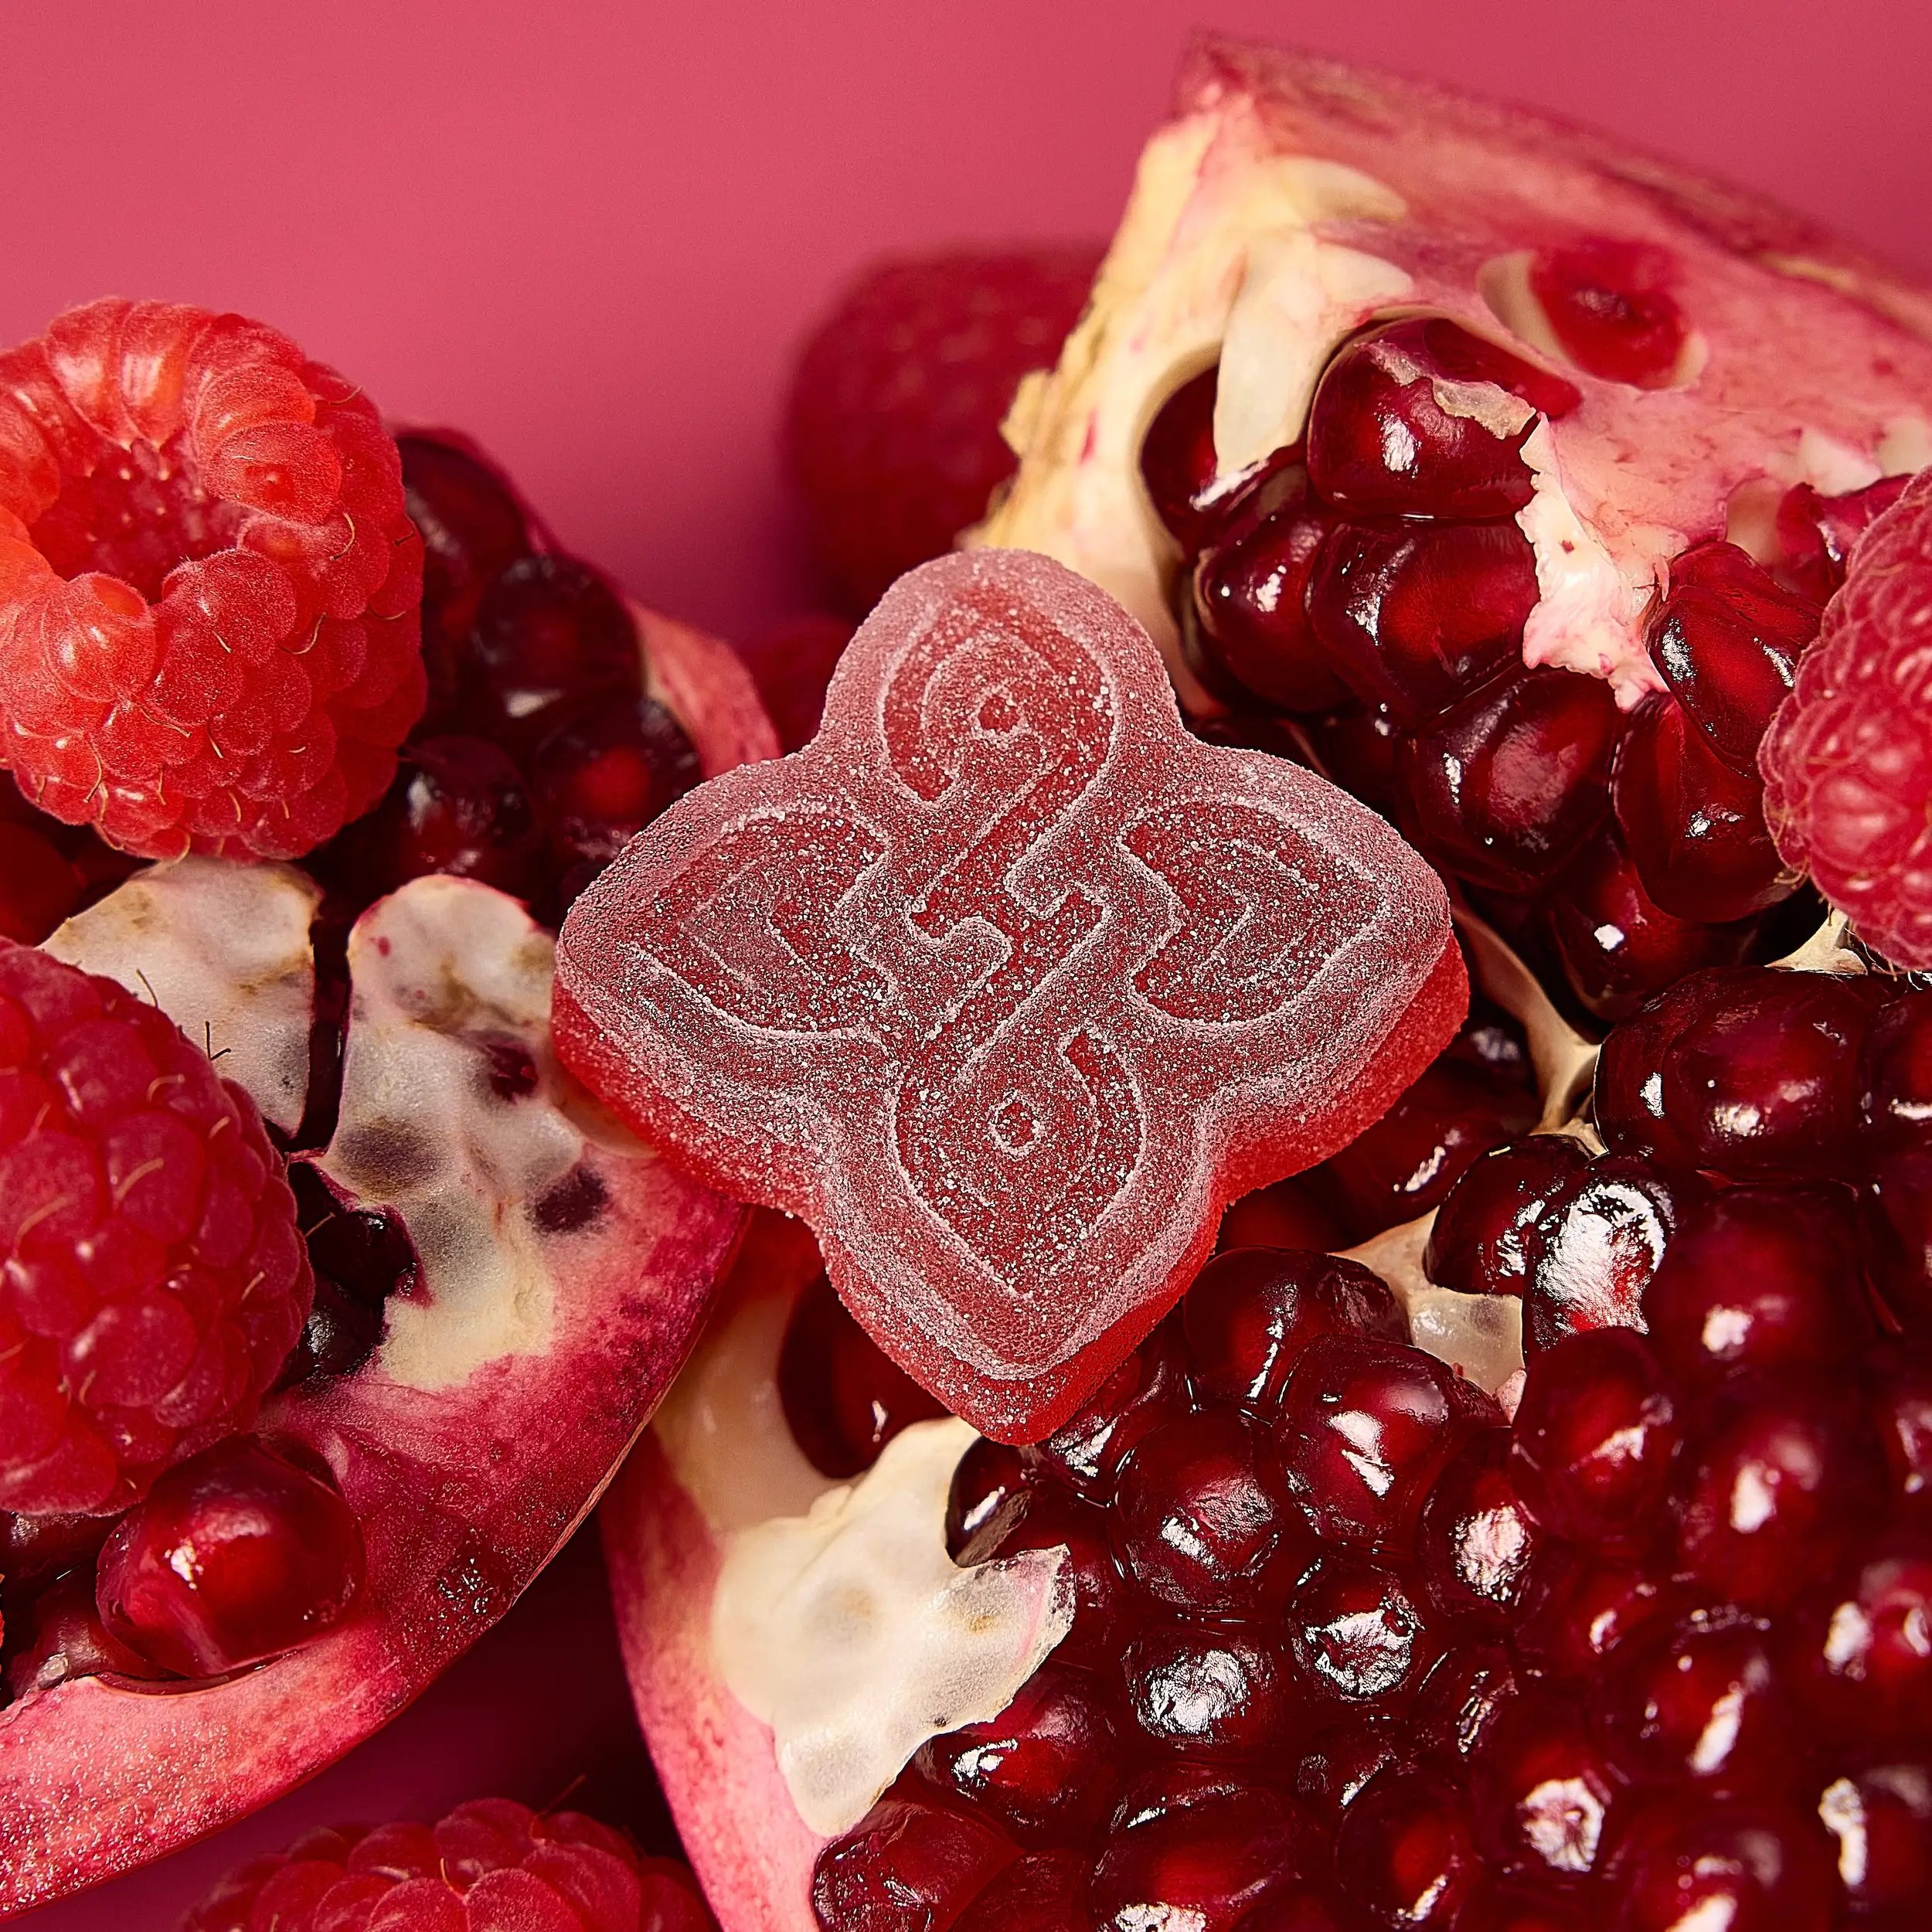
x=1005 y=982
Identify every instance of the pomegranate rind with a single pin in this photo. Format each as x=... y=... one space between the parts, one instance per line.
x=465 y=1492
x=794 y=1085
x=1291 y=199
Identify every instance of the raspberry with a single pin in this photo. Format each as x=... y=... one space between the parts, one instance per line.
x=894 y=426
x=209 y=591
x=152 y=1275
x=1848 y=759
x=493 y=1864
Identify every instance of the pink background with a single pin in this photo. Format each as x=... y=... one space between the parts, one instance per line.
x=588 y=234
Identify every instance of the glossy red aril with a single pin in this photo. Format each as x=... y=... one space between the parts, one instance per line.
x=473 y=531
x=1178 y=465
x=1047 y=1164
x=1212 y=1691
x=1752 y=1072
x=1778 y=1475
x=1420 y=418
x=604 y=775
x=1415 y=616
x=1595 y=1245
x=1747 y=1865
x=1503 y=789
x=1543 y=1790
x=1251 y=598
x=1863 y=1654
x=1477 y=1538
x=59 y=1637
x=1406 y=1853
x=1046 y=1768
x=1758 y=1278
x=1881 y=1817
x=843 y=1401
x=1583 y=1608
x=1251 y=1311
x=1705 y=1700
x=1148 y=1389
x=1482 y=1240
x=1694 y=827
x=1360 y=1637
x=1727 y=640
x=1044 y=1893
x=908 y=1863
x=1897 y=1095
x=1899 y=1408
x=1817 y=534
x=1054 y=1519
x=1610 y=303
x=236 y=1556
x=1595 y=1434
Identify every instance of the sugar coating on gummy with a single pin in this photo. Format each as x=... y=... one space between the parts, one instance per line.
x=1006 y=984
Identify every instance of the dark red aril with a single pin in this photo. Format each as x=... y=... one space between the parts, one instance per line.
x=1201 y=1517
x=1358 y=747
x=1779 y=1475
x=1862 y=1646
x=1750 y=1072
x=1610 y=303
x=990 y=1488
x=1407 y=1852
x=1595 y=1434
x=844 y=1398
x=1584 y=1608
x=1596 y=1245
x=1148 y=1389
x=1252 y=1310
x=601 y=778
x=1190 y=1845
x=1341 y=1759
x=1896 y=1092
x=1251 y=596
x=1881 y=1816
x=1213 y=1690
x=1046 y=1768
x=1523 y=1908
x=1294 y=1213
x=906 y=1864
x=235 y=1555
x=1618 y=945
x=1817 y=534
x=59 y=1637
x=1543 y=1789
x=1745 y=1864
x=1366 y=1427
x=1361 y=1639
x=1481 y=1241
x=1898 y=1407
x=1178 y=465
x=1727 y=640
x=33 y=1549
x=1694 y=827
x=1466 y=1690
x=1054 y=1519
x=1898 y=1226
x=1045 y=1892
x=1394 y=429
x=1415 y=616
x=1503 y=790
x=1760 y=1278
x=1704 y=1700
x=1476 y=1538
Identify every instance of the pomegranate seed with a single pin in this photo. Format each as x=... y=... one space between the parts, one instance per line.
x=1863 y=1648
x=1178 y=465
x=1394 y=431
x=1251 y=1311
x=1704 y=1700
x=1191 y=1846
x=906 y=1864
x=1582 y=1609
x=1595 y=1432
x=1359 y=1636
x=1899 y=1398
x=1618 y=945
x=1744 y=1070
x=59 y=1637
x=1610 y=304
x=473 y=530
x=237 y=1554
x=1201 y=1515
x=1503 y=790
x=1406 y=1850
x=1881 y=1817
x=1897 y=1095
x=1147 y=1389
x=1417 y=616
x=1596 y=1246
x=1055 y=1519
x=1758 y=1278
x=1366 y=1427
x=1212 y=1692
x=1480 y=1242
x=1045 y=1768
x=1289 y=1214
x=1694 y=827
x=1898 y=1222
x=1476 y=1538
x=1250 y=593
x=1046 y=1893
x=1359 y=746
x=1465 y=1692
x=843 y=1399
x=1543 y=1790
x=1746 y=1864
x=1340 y=1761
x=1817 y=534
x=1727 y=641
x=990 y=1492
x=1778 y=1477
x=1515 y=1908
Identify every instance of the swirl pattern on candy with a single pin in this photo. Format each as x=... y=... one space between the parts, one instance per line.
x=1006 y=984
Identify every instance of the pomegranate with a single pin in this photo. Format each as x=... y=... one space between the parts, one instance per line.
x=505 y=1280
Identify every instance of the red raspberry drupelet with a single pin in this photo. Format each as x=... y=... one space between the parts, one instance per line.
x=152 y=1276
x=209 y=629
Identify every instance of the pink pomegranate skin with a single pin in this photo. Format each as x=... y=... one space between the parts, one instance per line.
x=464 y=1494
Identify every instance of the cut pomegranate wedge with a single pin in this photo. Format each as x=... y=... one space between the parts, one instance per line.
x=507 y=1281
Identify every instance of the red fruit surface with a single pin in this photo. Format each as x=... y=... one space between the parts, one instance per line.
x=1610 y=305
x=1848 y=760
x=490 y=1865
x=210 y=636
x=1015 y=1154
x=892 y=430
x=152 y=1277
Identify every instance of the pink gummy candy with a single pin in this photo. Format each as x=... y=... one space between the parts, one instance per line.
x=1006 y=984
